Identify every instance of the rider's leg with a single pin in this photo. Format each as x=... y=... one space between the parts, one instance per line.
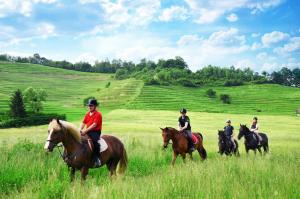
x=95 y=137
x=189 y=135
x=258 y=137
x=233 y=142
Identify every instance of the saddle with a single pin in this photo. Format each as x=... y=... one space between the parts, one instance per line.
x=102 y=143
x=195 y=139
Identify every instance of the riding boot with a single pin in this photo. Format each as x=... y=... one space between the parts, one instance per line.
x=96 y=155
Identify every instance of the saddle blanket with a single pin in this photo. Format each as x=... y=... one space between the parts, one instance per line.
x=102 y=143
x=195 y=139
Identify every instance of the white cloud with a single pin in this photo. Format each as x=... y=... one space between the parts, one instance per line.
x=220 y=48
x=273 y=37
x=46 y=30
x=173 y=13
x=255 y=35
x=188 y=40
x=232 y=17
x=23 y=7
x=293 y=45
x=245 y=63
x=210 y=11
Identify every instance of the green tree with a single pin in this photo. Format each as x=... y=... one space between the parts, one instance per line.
x=225 y=98
x=211 y=93
x=34 y=98
x=17 y=108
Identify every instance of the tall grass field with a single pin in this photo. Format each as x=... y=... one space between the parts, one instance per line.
x=134 y=112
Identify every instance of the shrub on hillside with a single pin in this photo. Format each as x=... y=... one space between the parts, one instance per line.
x=225 y=98
x=17 y=107
x=211 y=93
x=186 y=82
x=233 y=83
x=31 y=120
x=107 y=85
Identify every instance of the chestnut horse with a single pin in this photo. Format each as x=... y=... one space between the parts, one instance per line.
x=78 y=154
x=180 y=143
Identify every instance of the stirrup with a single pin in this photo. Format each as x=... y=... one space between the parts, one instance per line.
x=97 y=163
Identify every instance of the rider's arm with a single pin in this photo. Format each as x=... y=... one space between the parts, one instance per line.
x=82 y=125
x=179 y=127
x=88 y=129
x=185 y=126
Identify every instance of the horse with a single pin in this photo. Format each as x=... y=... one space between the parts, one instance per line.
x=225 y=145
x=78 y=149
x=251 y=140
x=180 y=143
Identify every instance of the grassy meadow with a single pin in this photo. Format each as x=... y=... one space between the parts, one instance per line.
x=134 y=112
x=29 y=172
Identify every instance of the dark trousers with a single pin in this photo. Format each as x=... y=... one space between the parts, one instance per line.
x=95 y=136
x=188 y=134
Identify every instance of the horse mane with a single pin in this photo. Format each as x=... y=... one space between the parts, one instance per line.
x=171 y=128
x=71 y=128
x=245 y=127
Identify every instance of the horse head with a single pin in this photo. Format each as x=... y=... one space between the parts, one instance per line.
x=166 y=135
x=55 y=134
x=243 y=131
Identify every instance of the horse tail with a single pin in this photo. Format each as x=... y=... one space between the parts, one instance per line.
x=200 y=135
x=203 y=153
x=123 y=161
x=202 y=150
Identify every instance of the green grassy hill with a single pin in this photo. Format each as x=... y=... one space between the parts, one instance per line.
x=67 y=89
x=249 y=99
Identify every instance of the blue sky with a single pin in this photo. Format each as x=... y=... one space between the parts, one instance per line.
x=262 y=35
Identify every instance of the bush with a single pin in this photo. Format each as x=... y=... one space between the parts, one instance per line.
x=186 y=82
x=211 y=93
x=233 y=83
x=31 y=120
x=225 y=98
x=107 y=85
x=151 y=81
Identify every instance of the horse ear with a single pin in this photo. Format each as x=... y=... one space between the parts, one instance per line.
x=161 y=128
x=240 y=125
x=58 y=122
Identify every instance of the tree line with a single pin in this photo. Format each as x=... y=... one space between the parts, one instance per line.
x=170 y=71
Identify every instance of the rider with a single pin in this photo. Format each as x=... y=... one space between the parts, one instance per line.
x=93 y=123
x=185 y=127
x=228 y=129
x=254 y=129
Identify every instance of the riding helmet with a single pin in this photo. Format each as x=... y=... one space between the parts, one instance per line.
x=228 y=121
x=183 y=110
x=92 y=102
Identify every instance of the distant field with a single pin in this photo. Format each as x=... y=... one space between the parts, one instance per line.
x=28 y=172
x=66 y=89
x=249 y=99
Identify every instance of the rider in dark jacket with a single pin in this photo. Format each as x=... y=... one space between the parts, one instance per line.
x=228 y=130
x=185 y=127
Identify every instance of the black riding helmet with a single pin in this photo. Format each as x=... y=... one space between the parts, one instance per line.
x=255 y=118
x=183 y=110
x=92 y=102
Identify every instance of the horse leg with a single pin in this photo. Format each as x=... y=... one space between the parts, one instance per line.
x=174 y=158
x=84 y=172
x=113 y=168
x=259 y=150
x=72 y=174
x=183 y=155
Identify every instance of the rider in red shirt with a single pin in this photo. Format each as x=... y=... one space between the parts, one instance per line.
x=93 y=122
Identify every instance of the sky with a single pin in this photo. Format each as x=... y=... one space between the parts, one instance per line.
x=261 y=34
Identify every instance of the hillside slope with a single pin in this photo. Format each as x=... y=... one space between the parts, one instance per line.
x=66 y=89
x=249 y=99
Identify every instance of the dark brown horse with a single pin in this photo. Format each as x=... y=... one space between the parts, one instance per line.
x=78 y=154
x=180 y=143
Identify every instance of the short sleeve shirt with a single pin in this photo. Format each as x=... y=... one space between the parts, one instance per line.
x=96 y=117
x=183 y=120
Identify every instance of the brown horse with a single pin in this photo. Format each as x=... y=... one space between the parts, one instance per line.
x=78 y=153
x=180 y=143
